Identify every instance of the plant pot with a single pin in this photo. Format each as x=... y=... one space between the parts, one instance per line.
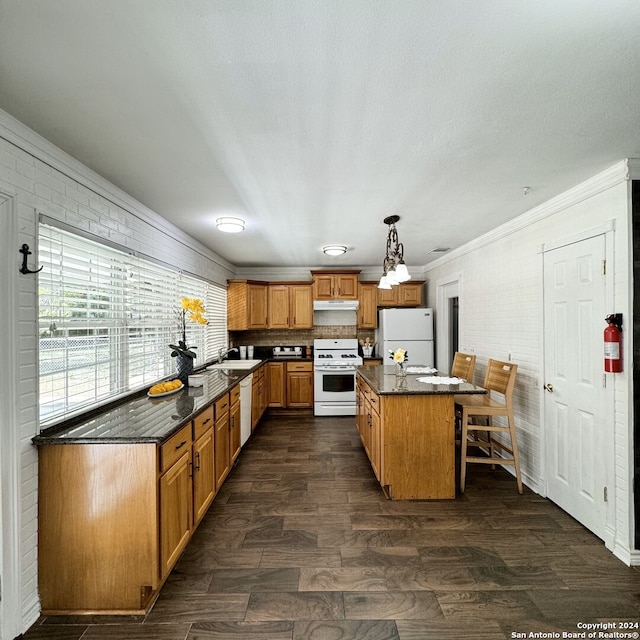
x=184 y=368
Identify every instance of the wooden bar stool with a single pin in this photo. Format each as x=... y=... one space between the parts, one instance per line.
x=463 y=366
x=500 y=378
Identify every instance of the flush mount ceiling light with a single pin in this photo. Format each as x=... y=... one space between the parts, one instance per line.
x=394 y=270
x=230 y=225
x=334 y=249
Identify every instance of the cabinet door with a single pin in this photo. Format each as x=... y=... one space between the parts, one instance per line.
x=203 y=475
x=257 y=306
x=300 y=389
x=368 y=307
x=234 y=431
x=221 y=446
x=323 y=285
x=301 y=307
x=264 y=391
x=410 y=295
x=346 y=286
x=255 y=401
x=388 y=297
x=278 y=316
x=175 y=511
x=275 y=384
x=374 y=442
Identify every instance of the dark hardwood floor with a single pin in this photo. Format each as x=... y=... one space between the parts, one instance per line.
x=301 y=544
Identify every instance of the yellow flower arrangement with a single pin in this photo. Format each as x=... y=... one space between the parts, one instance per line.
x=193 y=311
x=399 y=355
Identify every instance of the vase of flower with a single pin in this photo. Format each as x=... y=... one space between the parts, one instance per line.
x=401 y=372
x=193 y=311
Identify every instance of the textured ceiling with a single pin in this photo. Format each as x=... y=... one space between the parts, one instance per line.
x=315 y=119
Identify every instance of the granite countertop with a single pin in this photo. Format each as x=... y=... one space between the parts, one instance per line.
x=142 y=419
x=383 y=381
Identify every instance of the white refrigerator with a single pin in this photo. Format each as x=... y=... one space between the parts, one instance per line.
x=409 y=329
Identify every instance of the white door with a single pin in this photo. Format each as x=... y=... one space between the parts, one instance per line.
x=574 y=312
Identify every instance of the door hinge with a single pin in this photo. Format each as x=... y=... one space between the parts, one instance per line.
x=603 y=267
x=606 y=498
x=604 y=381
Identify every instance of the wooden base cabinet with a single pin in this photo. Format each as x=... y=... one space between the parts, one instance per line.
x=276 y=375
x=300 y=385
x=259 y=395
x=222 y=446
x=113 y=519
x=234 y=424
x=98 y=538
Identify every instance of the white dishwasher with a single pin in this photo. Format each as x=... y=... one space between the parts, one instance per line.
x=245 y=408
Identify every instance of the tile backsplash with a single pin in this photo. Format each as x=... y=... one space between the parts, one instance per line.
x=298 y=337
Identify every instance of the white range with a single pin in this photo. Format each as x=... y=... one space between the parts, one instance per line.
x=334 y=376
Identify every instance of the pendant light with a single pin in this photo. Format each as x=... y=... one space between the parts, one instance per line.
x=393 y=267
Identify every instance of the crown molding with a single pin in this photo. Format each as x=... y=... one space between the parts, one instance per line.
x=614 y=175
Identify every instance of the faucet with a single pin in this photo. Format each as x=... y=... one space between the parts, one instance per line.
x=222 y=354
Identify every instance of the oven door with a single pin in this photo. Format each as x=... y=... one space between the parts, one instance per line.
x=334 y=383
x=334 y=391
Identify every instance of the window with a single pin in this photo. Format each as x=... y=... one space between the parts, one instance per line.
x=106 y=319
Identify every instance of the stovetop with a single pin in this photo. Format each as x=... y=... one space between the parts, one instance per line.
x=341 y=351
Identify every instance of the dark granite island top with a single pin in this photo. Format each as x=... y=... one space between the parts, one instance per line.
x=144 y=419
x=383 y=381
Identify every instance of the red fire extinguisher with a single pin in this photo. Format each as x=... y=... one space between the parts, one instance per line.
x=613 y=343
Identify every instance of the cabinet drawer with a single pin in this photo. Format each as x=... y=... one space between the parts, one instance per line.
x=299 y=366
x=374 y=399
x=202 y=422
x=174 y=447
x=222 y=406
x=235 y=394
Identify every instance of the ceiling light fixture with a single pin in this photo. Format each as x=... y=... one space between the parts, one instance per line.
x=394 y=270
x=334 y=249
x=230 y=225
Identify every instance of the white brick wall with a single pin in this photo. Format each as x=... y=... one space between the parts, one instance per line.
x=39 y=182
x=501 y=314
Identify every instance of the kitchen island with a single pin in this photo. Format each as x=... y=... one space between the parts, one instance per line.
x=407 y=428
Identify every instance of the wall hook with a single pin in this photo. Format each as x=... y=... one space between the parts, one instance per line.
x=24 y=250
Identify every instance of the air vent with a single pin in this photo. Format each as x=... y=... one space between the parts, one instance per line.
x=440 y=250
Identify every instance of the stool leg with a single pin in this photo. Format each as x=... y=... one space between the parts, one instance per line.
x=463 y=449
x=490 y=436
x=514 y=447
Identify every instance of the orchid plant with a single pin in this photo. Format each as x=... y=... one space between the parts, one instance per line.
x=192 y=311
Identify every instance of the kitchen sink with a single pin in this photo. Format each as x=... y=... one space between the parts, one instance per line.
x=234 y=364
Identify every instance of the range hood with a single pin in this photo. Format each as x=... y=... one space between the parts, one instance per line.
x=335 y=305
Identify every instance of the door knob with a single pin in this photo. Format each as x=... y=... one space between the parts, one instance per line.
x=549 y=387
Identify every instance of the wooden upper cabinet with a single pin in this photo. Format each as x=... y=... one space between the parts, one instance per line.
x=407 y=294
x=278 y=306
x=368 y=306
x=335 y=285
x=301 y=306
x=246 y=305
x=290 y=306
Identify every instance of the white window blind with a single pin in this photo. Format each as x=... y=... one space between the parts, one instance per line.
x=106 y=319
